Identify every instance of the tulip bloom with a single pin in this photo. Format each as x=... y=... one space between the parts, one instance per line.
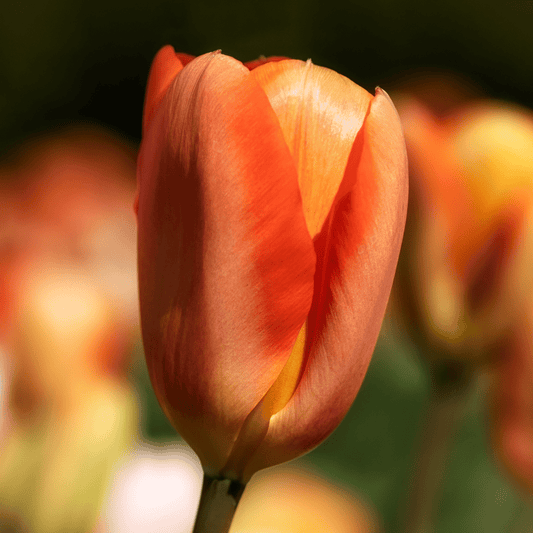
x=271 y=206
x=512 y=403
x=290 y=499
x=469 y=248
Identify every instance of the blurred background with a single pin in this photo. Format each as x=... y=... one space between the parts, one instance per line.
x=79 y=422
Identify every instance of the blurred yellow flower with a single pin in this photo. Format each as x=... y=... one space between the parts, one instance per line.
x=291 y=499
x=67 y=283
x=466 y=273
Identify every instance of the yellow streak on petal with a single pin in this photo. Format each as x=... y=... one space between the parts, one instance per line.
x=320 y=113
x=285 y=385
x=256 y=425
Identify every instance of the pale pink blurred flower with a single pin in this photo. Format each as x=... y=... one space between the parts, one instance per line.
x=156 y=491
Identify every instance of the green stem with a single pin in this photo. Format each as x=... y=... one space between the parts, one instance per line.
x=450 y=387
x=218 y=503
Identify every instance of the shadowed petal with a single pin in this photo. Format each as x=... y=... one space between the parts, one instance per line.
x=357 y=252
x=165 y=67
x=225 y=260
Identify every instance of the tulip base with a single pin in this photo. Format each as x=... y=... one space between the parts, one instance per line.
x=218 y=503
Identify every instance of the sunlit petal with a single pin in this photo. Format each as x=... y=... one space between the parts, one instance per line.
x=218 y=190
x=357 y=253
x=320 y=113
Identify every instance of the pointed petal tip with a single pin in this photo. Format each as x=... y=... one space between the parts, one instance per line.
x=251 y=65
x=384 y=112
x=165 y=67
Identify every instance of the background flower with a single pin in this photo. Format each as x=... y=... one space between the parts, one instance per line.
x=511 y=404
x=157 y=489
x=465 y=286
x=67 y=326
x=293 y=500
x=466 y=276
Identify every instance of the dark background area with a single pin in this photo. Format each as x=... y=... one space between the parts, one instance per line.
x=63 y=61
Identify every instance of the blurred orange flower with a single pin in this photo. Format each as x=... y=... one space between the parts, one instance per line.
x=297 y=500
x=466 y=275
x=512 y=403
x=67 y=320
x=271 y=208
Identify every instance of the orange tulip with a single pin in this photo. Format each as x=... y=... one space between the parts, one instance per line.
x=294 y=499
x=271 y=206
x=469 y=246
x=512 y=403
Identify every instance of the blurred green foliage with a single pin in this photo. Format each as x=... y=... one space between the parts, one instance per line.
x=374 y=450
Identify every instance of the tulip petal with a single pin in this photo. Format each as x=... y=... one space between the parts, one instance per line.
x=357 y=252
x=165 y=67
x=226 y=263
x=471 y=284
x=320 y=113
x=512 y=404
x=250 y=65
x=436 y=256
x=497 y=139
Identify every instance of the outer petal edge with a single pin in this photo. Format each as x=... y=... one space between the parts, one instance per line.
x=365 y=238
x=218 y=193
